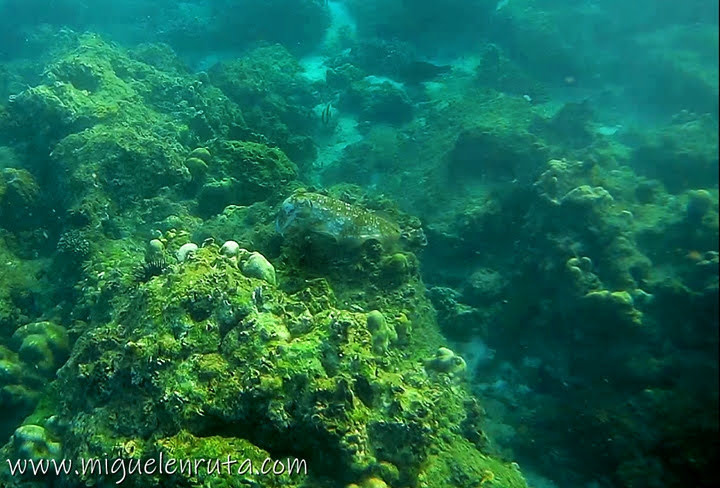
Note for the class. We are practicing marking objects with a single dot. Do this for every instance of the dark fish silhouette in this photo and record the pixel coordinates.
(419, 71)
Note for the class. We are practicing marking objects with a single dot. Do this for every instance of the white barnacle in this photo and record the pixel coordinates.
(186, 251)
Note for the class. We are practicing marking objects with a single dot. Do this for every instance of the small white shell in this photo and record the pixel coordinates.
(185, 251)
(230, 249)
(256, 266)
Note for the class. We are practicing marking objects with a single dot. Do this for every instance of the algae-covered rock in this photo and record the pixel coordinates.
(197, 163)
(42, 345)
(699, 203)
(586, 196)
(398, 267)
(382, 332)
(250, 463)
(378, 102)
(484, 286)
(446, 362)
(687, 146)
(499, 153)
(613, 308)
(244, 173)
(201, 153)
(206, 350)
(20, 389)
(197, 167)
(50, 111)
(32, 442)
(257, 266)
(276, 99)
(125, 161)
(20, 199)
(155, 249)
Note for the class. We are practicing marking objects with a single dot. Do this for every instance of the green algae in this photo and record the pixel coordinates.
(198, 350)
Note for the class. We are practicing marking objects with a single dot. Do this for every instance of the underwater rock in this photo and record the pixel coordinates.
(494, 153)
(218, 361)
(197, 162)
(197, 167)
(382, 332)
(186, 251)
(10, 367)
(50, 112)
(42, 345)
(201, 153)
(699, 204)
(688, 146)
(484, 286)
(581, 271)
(457, 320)
(230, 249)
(612, 307)
(32, 442)
(403, 328)
(370, 483)
(154, 250)
(277, 100)
(570, 125)
(216, 195)
(20, 197)
(558, 179)
(587, 196)
(398, 267)
(418, 71)
(257, 266)
(378, 102)
(343, 76)
(446, 362)
(308, 213)
(20, 389)
(244, 173)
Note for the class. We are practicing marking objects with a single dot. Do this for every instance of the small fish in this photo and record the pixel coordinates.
(418, 71)
(307, 212)
(326, 114)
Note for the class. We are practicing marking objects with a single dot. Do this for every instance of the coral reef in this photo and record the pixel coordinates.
(275, 98)
(219, 369)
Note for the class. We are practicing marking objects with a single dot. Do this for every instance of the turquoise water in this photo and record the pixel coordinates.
(345, 243)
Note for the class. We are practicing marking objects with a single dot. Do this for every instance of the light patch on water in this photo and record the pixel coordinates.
(608, 130)
(332, 144)
(467, 64)
(340, 20)
(340, 16)
(379, 80)
(476, 354)
(501, 4)
(314, 67)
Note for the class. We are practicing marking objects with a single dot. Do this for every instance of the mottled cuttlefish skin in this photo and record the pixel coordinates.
(307, 212)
